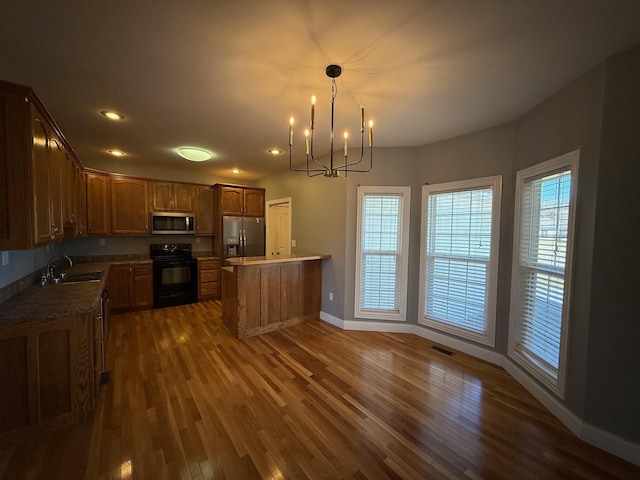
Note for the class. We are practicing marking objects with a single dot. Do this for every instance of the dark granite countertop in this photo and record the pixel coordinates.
(55, 301)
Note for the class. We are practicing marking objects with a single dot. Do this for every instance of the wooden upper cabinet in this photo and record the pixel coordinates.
(129, 206)
(55, 187)
(231, 201)
(71, 192)
(46, 171)
(98, 206)
(253, 202)
(171, 197)
(204, 210)
(40, 181)
(80, 185)
(241, 201)
(33, 172)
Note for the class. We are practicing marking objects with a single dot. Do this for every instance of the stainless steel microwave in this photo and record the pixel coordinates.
(172, 223)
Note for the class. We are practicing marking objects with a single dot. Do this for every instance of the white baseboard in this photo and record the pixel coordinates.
(602, 439)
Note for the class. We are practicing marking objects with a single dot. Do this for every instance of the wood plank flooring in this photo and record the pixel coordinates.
(186, 400)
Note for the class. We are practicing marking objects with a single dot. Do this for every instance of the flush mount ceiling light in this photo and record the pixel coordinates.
(194, 154)
(116, 153)
(235, 170)
(111, 115)
(314, 167)
(274, 151)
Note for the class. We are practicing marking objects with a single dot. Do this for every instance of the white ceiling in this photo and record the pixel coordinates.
(226, 75)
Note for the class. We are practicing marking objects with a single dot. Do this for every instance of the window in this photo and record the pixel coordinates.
(382, 252)
(543, 238)
(458, 257)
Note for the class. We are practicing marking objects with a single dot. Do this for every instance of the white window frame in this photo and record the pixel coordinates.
(487, 337)
(537, 369)
(402, 264)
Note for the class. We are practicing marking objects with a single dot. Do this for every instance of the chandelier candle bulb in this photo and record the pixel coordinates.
(362, 117)
(313, 109)
(346, 141)
(370, 133)
(306, 141)
(291, 131)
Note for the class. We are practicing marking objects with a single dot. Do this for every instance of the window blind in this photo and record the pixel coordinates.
(458, 246)
(544, 229)
(381, 240)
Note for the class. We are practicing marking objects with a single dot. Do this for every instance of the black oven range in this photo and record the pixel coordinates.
(175, 275)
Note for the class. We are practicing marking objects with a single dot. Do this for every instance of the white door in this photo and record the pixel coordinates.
(279, 227)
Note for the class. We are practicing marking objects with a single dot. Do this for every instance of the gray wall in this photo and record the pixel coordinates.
(481, 154)
(392, 167)
(568, 120)
(317, 225)
(612, 394)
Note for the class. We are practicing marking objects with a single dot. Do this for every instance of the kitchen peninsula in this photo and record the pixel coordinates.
(262, 294)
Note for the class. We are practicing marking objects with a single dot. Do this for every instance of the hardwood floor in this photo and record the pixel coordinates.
(187, 400)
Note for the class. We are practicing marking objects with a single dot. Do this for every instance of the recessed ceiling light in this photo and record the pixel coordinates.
(274, 151)
(235, 170)
(111, 115)
(116, 153)
(194, 154)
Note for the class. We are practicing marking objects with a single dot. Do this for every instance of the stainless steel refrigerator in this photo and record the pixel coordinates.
(243, 236)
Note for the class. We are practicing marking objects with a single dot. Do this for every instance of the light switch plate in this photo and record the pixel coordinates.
(293, 243)
(5, 258)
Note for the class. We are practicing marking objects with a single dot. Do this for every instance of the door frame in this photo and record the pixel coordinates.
(269, 225)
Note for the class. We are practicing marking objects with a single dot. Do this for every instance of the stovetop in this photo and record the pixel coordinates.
(165, 251)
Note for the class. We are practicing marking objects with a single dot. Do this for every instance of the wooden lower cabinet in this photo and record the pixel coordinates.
(46, 377)
(208, 284)
(261, 298)
(131, 286)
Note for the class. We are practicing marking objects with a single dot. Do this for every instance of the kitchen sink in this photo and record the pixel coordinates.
(79, 277)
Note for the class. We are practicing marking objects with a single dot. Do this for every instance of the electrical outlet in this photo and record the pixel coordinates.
(197, 239)
(5, 258)
(293, 243)
(331, 296)
(102, 242)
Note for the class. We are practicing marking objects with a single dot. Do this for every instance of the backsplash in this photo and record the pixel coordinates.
(26, 266)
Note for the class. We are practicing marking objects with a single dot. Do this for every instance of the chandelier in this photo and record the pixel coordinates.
(315, 167)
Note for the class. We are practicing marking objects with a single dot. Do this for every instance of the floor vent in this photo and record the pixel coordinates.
(441, 350)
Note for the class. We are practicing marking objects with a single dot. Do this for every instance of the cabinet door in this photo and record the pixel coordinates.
(204, 211)
(253, 199)
(231, 200)
(129, 206)
(142, 286)
(68, 199)
(40, 180)
(120, 286)
(182, 197)
(161, 196)
(81, 200)
(55, 187)
(98, 208)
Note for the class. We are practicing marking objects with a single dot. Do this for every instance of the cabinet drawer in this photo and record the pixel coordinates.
(208, 276)
(143, 269)
(208, 264)
(208, 289)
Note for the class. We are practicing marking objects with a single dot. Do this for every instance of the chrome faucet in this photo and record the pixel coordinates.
(50, 266)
